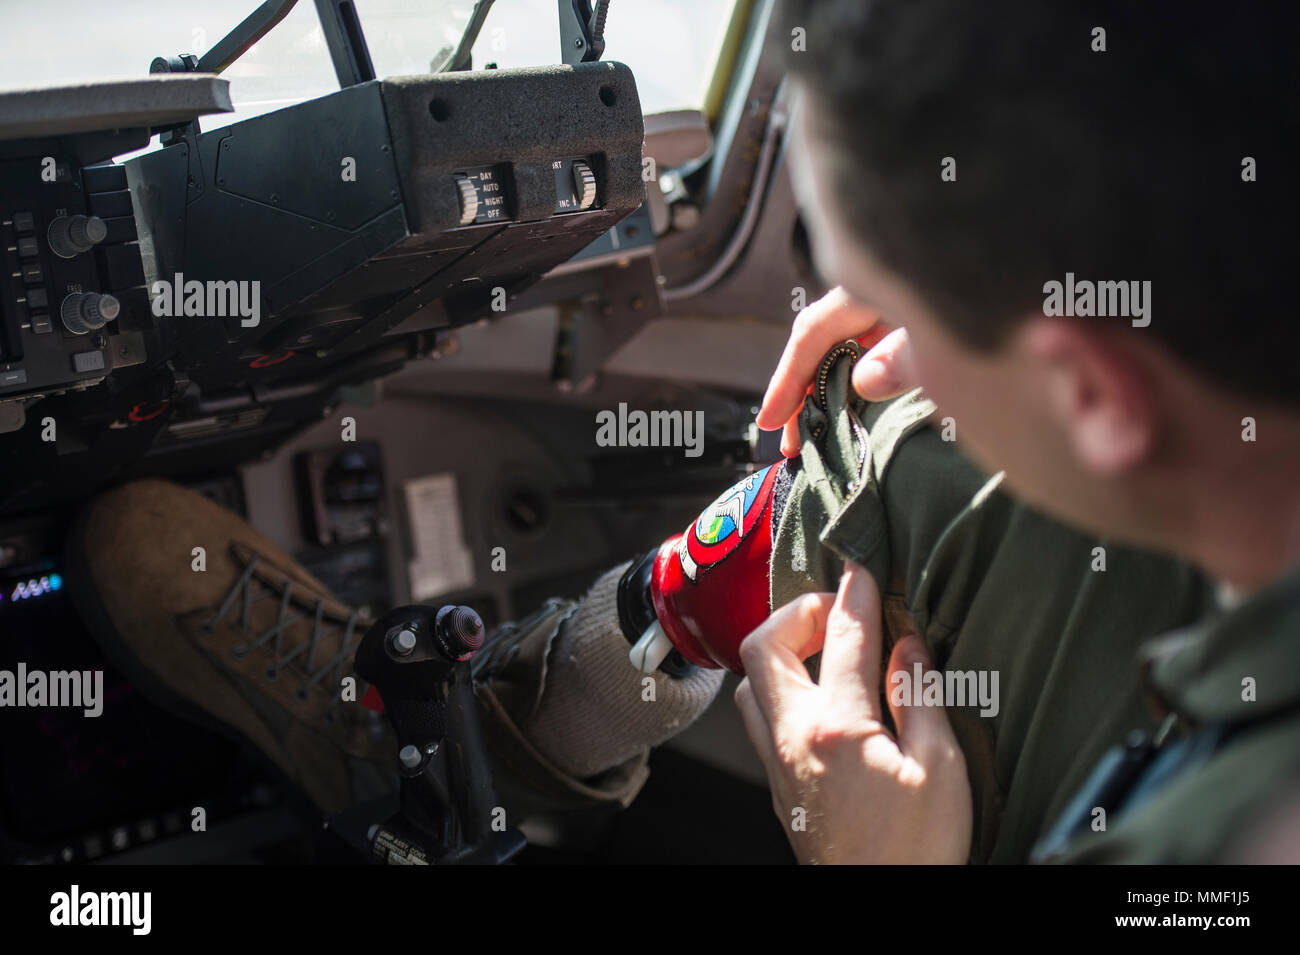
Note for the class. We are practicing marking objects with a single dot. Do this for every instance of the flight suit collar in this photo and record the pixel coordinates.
(1237, 666)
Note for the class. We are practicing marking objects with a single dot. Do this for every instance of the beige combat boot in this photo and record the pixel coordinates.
(251, 643)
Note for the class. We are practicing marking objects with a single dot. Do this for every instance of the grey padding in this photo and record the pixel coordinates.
(527, 117)
(157, 100)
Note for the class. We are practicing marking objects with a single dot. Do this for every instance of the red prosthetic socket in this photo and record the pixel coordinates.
(709, 586)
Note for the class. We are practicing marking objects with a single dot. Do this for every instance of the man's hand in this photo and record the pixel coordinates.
(844, 789)
(884, 371)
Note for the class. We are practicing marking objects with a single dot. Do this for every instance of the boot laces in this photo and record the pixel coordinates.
(248, 590)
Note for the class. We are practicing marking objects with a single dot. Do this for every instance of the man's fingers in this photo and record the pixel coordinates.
(790, 444)
(832, 318)
(886, 369)
(757, 728)
(773, 654)
(924, 733)
(850, 666)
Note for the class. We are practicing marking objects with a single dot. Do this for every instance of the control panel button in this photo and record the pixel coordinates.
(27, 247)
(106, 178)
(9, 379)
(110, 204)
(84, 312)
(37, 298)
(121, 229)
(84, 361)
(41, 325)
(24, 222)
(32, 273)
(71, 235)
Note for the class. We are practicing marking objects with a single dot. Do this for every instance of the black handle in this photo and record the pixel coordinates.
(418, 659)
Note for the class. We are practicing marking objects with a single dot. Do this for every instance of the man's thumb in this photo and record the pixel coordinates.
(886, 369)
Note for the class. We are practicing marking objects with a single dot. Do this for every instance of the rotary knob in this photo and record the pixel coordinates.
(468, 200)
(84, 312)
(69, 236)
(584, 184)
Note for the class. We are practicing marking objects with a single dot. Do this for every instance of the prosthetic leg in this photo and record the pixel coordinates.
(696, 597)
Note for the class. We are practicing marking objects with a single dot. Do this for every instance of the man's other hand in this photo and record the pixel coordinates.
(846, 790)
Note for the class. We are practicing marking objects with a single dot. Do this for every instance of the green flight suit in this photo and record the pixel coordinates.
(1231, 688)
(990, 585)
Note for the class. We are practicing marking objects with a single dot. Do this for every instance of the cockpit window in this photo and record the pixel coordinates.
(119, 40)
(671, 45)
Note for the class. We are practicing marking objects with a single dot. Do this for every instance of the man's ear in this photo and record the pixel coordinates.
(1097, 388)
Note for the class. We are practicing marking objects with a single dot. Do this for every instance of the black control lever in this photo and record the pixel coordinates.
(418, 659)
(582, 30)
(232, 46)
(339, 24)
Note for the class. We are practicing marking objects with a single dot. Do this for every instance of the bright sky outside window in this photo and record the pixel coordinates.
(671, 45)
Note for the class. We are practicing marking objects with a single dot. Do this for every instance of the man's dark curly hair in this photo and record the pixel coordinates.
(1118, 165)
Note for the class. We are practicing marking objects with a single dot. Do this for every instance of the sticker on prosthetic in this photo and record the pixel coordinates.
(723, 525)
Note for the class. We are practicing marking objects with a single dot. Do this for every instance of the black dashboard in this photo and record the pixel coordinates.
(198, 304)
